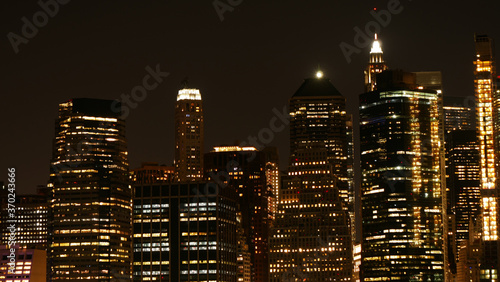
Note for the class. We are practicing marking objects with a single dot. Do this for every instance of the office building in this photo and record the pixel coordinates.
(318, 113)
(244, 169)
(463, 181)
(184, 232)
(311, 238)
(188, 135)
(402, 184)
(90, 209)
(488, 129)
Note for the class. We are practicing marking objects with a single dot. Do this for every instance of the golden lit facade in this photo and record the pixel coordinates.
(189, 136)
(30, 266)
(91, 206)
(376, 65)
(311, 238)
(273, 181)
(318, 113)
(487, 106)
(401, 186)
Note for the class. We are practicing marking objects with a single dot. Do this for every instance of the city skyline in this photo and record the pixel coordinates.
(226, 60)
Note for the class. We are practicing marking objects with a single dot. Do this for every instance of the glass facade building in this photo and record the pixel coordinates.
(401, 182)
(184, 232)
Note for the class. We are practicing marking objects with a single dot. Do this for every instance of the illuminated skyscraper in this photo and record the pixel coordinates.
(90, 224)
(189, 135)
(463, 181)
(462, 173)
(318, 113)
(184, 232)
(311, 237)
(402, 186)
(488, 125)
(376, 65)
(244, 168)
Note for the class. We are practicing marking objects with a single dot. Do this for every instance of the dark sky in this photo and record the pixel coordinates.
(246, 65)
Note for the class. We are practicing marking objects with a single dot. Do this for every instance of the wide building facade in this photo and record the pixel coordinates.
(184, 232)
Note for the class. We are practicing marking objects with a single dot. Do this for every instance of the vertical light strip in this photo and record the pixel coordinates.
(484, 97)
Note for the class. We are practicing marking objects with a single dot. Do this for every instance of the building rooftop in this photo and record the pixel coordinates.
(318, 86)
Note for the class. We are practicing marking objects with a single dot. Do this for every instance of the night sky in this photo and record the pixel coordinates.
(246, 65)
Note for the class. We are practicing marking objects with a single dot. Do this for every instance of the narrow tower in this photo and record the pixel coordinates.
(376, 65)
(189, 135)
(487, 125)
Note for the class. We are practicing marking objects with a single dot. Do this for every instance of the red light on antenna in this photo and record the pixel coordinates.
(374, 9)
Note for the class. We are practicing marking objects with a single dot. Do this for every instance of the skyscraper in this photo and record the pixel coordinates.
(462, 173)
(311, 237)
(402, 187)
(463, 181)
(189, 135)
(488, 124)
(184, 232)
(244, 168)
(318, 113)
(376, 65)
(90, 234)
